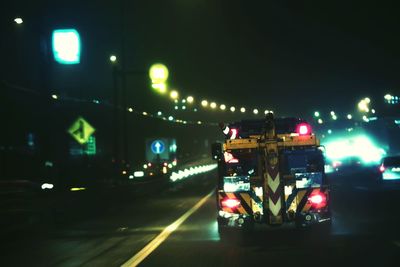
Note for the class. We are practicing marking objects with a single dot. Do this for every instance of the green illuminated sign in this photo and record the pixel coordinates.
(81, 130)
(66, 46)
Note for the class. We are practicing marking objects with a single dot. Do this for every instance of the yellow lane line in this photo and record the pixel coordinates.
(149, 248)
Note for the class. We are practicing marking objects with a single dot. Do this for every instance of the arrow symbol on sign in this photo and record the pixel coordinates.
(158, 147)
(81, 130)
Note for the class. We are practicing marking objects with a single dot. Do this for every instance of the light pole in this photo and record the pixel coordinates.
(113, 60)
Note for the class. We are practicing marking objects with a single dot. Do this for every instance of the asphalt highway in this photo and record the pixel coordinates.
(176, 226)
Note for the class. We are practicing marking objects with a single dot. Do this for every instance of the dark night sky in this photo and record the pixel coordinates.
(292, 56)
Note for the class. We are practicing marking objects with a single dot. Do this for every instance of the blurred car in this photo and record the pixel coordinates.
(390, 168)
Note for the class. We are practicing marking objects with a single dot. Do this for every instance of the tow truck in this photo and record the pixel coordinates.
(271, 172)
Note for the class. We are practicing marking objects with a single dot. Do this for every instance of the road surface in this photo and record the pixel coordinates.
(183, 232)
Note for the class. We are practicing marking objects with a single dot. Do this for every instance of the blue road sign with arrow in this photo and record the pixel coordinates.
(157, 147)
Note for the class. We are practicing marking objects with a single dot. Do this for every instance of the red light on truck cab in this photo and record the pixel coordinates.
(230, 203)
(303, 129)
(318, 200)
(234, 133)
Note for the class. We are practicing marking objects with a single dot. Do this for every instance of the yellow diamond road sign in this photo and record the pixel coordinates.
(81, 130)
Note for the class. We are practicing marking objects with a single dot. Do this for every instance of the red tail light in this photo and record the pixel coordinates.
(230, 203)
(303, 129)
(336, 164)
(382, 168)
(318, 200)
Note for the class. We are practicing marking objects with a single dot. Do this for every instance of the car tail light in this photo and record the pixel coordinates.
(382, 168)
(303, 129)
(318, 200)
(336, 164)
(230, 203)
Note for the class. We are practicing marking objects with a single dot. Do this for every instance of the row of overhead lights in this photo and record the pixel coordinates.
(363, 106)
(391, 99)
(334, 116)
(205, 104)
(159, 115)
(159, 74)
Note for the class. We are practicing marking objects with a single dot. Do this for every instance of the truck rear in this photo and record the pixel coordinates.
(271, 172)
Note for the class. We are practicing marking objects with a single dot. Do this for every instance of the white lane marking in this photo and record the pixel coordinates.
(149, 248)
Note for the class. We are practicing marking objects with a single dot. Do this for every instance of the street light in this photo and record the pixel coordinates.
(204, 103)
(316, 114)
(222, 107)
(18, 20)
(233, 109)
(174, 94)
(363, 105)
(213, 105)
(255, 111)
(388, 97)
(190, 99)
(349, 116)
(320, 121)
(242, 109)
(113, 58)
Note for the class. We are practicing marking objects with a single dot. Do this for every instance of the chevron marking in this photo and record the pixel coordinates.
(275, 208)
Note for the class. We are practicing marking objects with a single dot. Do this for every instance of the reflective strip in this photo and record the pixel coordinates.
(301, 199)
(245, 201)
(246, 197)
(291, 198)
